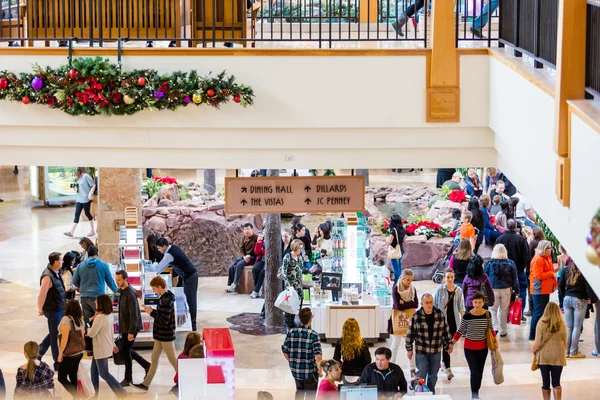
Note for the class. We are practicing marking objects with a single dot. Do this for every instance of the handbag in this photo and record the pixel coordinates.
(395, 253)
(492, 342)
(534, 364)
(515, 311)
(75, 343)
(401, 321)
(117, 357)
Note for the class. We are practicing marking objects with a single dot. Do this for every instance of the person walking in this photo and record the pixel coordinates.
(130, 324)
(477, 281)
(332, 371)
(460, 260)
(71, 346)
(51, 303)
(36, 378)
(449, 299)
(302, 350)
(538, 234)
(102, 336)
(482, 20)
(387, 376)
(292, 275)
(91, 277)
(502, 273)
(352, 352)
(549, 349)
(517, 250)
(404, 303)
(574, 292)
(427, 337)
(163, 332)
(186, 271)
(542, 282)
(474, 327)
(86, 186)
(396, 237)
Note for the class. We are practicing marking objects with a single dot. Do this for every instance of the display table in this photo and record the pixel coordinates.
(193, 381)
(219, 353)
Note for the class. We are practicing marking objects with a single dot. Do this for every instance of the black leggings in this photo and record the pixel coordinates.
(452, 329)
(86, 209)
(476, 361)
(413, 8)
(67, 373)
(549, 371)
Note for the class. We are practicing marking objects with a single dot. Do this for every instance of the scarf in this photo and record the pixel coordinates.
(407, 294)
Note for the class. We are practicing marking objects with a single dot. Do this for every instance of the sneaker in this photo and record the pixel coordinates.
(231, 288)
(125, 382)
(523, 319)
(532, 342)
(503, 334)
(581, 338)
(528, 313)
(595, 353)
(141, 386)
(449, 374)
(254, 295)
(476, 33)
(578, 355)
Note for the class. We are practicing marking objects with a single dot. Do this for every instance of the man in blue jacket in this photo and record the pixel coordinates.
(91, 277)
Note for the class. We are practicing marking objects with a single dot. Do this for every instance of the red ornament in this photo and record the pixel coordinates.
(237, 98)
(142, 81)
(210, 92)
(51, 101)
(3, 83)
(73, 73)
(26, 100)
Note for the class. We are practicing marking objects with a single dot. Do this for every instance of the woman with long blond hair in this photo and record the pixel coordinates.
(36, 378)
(550, 349)
(459, 261)
(352, 351)
(86, 186)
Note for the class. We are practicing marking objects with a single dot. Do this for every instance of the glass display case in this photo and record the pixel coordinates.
(53, 185)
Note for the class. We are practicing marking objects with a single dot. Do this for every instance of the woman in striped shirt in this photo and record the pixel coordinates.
(473, 327)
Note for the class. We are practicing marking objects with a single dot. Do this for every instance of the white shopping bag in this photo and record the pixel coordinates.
(497, 367)
(288, 301)
(84, 382)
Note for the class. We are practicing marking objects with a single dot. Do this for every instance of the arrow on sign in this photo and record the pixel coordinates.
(244, 202)
(244, 190)
(307, 188)
(307, 201)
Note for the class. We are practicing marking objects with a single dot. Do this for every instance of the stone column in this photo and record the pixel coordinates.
(118, 188)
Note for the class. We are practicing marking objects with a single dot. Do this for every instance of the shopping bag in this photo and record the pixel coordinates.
(515, 311)
(497, 367)
(288, 301)
(117, 358)
(401, 321)
(84, 382)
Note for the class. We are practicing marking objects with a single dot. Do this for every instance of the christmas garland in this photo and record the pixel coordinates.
(92, 86)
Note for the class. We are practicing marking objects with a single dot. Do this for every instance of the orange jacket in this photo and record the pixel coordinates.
(541, 277)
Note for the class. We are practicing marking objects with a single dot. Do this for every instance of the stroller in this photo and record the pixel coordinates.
(442, 265)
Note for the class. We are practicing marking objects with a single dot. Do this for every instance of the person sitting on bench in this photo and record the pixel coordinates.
(258, 271)
(236, 268)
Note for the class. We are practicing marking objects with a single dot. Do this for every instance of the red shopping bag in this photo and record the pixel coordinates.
(515, 311)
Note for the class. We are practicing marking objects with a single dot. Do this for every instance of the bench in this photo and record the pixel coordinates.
(246, 285)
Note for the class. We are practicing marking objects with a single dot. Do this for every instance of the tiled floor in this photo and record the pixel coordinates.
(30, 233)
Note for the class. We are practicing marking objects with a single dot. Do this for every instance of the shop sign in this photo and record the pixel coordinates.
(283, 195)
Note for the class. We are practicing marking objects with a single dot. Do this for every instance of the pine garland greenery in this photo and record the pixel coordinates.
(92, 86)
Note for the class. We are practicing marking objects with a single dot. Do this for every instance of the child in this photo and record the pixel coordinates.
(192, 339)
(455, 224)
(467, 231)
(495, 207)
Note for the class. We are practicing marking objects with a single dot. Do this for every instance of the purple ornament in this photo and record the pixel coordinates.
(187, 99)
(158, 94)
(37, 83)
(590, 238)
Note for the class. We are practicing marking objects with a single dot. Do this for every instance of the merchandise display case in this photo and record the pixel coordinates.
(350, 286)
(53, 185)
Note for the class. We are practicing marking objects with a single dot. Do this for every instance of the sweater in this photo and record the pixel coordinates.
(355, 366)
(460, 269)
(388, 383)
(541, 278)
(470, 286)
(474, 329)
(502, 274)
(440, 300)
(554, 351)
(247, 245)
(102, 336)
(92, 276)
(164, 318)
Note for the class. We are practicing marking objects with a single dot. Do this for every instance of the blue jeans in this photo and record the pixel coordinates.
(528, 222)
(397, 268)
(483, 19)
(428, 366)
(2, 386)
(540, 301)
(51, 339)
(100, 367)
(574, 315)
(522, 276)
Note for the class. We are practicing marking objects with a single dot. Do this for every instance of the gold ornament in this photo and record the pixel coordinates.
(128, 100)
(592, 255)
(197, 98)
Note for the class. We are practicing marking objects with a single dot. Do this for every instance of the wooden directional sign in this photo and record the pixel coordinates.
(276, 195)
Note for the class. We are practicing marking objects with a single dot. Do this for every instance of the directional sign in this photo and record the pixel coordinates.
(275, 195)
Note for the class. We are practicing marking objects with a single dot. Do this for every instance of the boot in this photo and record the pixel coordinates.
(557, 393)
(546, 394)
(399, 24)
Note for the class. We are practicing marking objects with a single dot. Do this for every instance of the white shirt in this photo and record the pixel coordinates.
(522, 206)
(165, 262)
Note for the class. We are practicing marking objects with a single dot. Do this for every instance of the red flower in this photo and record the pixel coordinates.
(453, 234)
(165, 180)
(457, 196)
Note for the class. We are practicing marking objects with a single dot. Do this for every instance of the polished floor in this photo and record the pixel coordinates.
(30, 232)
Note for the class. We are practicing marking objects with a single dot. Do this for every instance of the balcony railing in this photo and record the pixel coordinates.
(212, 23)
(592, 67)
(530, 27)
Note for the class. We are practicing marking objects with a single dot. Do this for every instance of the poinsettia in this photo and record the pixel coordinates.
(165, 180)
(457, 196)
(427, 228)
